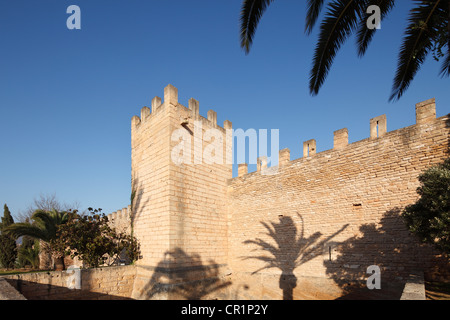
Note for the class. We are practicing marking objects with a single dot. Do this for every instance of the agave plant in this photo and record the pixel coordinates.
(428, 32)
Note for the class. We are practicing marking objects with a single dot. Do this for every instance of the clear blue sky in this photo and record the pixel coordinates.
(67, 96)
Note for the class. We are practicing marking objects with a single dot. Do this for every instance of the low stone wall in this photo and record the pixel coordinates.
(118, 283)
(105, 283)
(7, 292)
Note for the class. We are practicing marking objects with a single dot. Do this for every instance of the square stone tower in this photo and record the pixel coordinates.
(181, 162)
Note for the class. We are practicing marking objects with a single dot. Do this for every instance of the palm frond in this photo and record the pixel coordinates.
(26, 229)
(448, 24)
(264, 245)
(45, 225)
(445, 69)
(418, 41)
(47, 220)
(251, 13)
(313, 11)
(340, 21)
(365, 34)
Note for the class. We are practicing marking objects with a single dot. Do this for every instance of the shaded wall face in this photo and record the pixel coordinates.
(331, 216)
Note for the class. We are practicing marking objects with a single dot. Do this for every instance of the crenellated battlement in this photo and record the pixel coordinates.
(338, 211)
(425, 114)
(121, 220)
(187, 114)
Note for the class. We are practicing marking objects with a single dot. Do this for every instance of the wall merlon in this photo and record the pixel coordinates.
(227, 125)
(426, 111)
(145, 113)
(261, 163)
(378, 127)
(156, 103)
(309, 148)
(242, 169)
(194, 105)
(284, 157)
(212, 116)
(171, 95)
(135, 121)
(340, 139)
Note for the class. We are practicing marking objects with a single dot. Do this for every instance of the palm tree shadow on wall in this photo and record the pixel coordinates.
(188, 278)
(388, 245)
(137, 202)
(290, 250)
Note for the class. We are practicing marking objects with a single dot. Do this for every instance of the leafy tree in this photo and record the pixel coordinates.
(44, 227)
(429, 217)
(428, 32)
(91, 238)
(8, 247)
